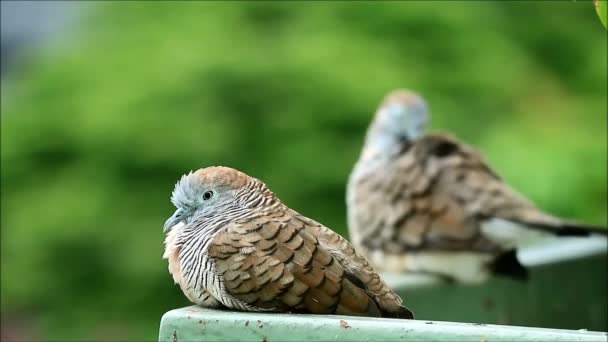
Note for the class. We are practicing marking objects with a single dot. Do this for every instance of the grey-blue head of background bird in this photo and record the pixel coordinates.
(402, 115)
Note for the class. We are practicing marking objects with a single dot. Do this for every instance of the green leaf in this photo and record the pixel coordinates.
(601, 7)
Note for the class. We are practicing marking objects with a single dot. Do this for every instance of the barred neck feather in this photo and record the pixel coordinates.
(256, 194)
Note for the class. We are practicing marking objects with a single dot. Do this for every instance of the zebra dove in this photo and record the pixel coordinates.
(429, 204)
(233, 244)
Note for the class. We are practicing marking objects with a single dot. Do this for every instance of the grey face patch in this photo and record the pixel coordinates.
(186, 192)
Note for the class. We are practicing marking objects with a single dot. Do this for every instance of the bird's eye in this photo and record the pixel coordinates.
(207, 195)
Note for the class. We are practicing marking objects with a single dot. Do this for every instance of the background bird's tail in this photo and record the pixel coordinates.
(551, 224)
(577, 229)
(566, 228)
(508, 265)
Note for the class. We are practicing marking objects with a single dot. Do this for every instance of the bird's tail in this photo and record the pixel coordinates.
(508, 265)
(402, 312)
(578, 229)
(564, 228)
(569, 228)
(354, 304)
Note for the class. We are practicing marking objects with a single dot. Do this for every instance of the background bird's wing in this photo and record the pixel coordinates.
(453, 199)
(482, 192)
(274, 261)
(414, 201)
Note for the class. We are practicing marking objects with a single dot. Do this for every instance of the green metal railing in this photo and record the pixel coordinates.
(568, 294)
(198, 324)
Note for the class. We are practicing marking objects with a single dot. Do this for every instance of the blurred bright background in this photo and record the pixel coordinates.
(105, 105)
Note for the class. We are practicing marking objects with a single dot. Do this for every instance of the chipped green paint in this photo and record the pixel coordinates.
(197, 324)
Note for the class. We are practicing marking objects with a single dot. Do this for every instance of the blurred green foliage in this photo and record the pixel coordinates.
(601, 7)
(97, 127)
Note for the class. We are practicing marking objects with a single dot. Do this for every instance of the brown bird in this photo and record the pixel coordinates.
(430, 204)
(232, 243)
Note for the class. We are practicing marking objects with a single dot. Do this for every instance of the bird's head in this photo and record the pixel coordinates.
(403, 115)
(213, 191)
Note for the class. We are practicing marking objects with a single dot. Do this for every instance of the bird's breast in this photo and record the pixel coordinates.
(172, 256)
(189, 265)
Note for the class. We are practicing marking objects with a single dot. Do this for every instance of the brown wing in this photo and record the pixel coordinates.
(453, 191)
(358, 269)
(276, 262)
(464, 187)
(434, 196)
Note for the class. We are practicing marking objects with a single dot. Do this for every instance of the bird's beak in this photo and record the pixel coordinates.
(173, 221)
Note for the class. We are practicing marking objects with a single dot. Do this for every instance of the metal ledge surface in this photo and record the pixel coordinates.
(194, 323)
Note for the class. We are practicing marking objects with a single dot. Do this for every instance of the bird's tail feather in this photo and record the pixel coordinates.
(564, 228)
(578, 229)
(402, 312)
(508, 265)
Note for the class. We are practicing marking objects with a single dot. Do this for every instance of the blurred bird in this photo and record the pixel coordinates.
(232, 243)
(430, 204)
